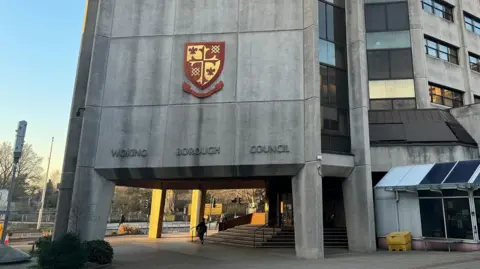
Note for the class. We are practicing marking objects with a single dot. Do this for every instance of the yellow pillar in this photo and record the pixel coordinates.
(156, 213)
(197, 209)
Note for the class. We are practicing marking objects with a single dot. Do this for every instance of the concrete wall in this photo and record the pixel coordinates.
(429, 69)
(141, 103)
(391, 216)
(469, 118)
(387, 157)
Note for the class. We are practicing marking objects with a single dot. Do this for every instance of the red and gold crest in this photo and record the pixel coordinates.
(203, 66)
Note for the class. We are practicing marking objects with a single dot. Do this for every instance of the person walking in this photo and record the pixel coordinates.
(122, 220)
(201, 230)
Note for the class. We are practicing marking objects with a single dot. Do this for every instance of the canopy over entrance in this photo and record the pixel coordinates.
(437, 176)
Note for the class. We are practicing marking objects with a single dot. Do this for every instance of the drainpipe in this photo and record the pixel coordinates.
(396, 211)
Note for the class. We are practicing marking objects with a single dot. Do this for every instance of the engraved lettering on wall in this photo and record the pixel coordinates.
(198, 151)
(268, 149)
(129, 153)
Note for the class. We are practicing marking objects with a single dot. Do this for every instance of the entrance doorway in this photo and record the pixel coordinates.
(286, 207)
(333, 208)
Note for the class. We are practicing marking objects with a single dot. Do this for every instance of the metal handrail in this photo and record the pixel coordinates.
(255, 234)
(263, 232)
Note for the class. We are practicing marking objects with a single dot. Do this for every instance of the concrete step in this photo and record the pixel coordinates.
(234, 241)
(246, 233)
(229, 237)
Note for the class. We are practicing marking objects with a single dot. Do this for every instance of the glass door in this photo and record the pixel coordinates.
(286, 207)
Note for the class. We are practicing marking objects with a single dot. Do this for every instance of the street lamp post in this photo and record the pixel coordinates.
(17, 153)
(42, 204)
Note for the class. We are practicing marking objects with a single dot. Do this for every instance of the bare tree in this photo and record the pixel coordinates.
(29, 170)
(170, 199)
(55, 178)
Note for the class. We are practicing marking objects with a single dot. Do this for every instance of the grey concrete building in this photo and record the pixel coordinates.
(314, 95)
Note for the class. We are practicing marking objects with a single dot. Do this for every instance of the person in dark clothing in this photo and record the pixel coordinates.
(201, 230)
(122, 220)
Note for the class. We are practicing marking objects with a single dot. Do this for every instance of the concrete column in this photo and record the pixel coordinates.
(197, 209)
(75, 123)
(464, 61)
(91, 201)
(357, 188)
(418, 54)
(308, 212)
(157, 211)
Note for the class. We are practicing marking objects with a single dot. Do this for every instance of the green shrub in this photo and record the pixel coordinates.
(67, 252)
(41, 243)
(113, 233)
(99, 251)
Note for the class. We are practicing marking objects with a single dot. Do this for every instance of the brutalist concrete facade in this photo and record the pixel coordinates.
(131, 119)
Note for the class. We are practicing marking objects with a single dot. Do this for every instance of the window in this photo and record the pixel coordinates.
(390, 64)
(335, 115)
(476, 99)
(332, 24)
(438, 8)
(474, 62)
(447, 97)
(458, 220)
(471, 23)
(333, 87)
(332, 33)
(395, 104)
(386, 17)
(383, 89)
(431, 213)
(332, 54)
(441, 50)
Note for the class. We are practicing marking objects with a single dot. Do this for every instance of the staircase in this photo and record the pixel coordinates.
(335, 238)
(246, 236)
(268, 237)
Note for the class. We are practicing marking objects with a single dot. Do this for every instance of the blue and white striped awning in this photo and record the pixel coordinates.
(451, 175)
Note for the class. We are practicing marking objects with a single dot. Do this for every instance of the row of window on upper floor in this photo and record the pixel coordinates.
(445, 96)
(447, 52)
(444, 10)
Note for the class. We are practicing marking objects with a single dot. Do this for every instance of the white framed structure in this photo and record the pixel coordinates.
(434, 201)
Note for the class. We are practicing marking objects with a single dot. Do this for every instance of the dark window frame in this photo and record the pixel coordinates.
(447, 7)
(389, 52)
(474, 25)
(337, 45)
(456, 100)
(385, 5)
(451, 57)
(474, 65)
(476, 100)
(332, 133)
(391, 101)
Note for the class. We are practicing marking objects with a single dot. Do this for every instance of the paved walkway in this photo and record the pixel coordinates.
(178, 253)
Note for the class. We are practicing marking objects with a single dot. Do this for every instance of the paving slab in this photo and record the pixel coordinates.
(178, 252)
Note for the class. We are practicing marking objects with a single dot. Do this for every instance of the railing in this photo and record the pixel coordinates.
(263, 227)
(247, 219)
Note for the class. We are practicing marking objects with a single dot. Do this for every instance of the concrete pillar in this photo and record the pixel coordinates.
(91, 201)
(75, 122)
(157, 211)
(418, 54)
(197, 209)
(357, 188)
(464, 49)
(308, 212)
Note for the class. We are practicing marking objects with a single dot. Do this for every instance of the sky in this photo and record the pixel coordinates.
(39, 46)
